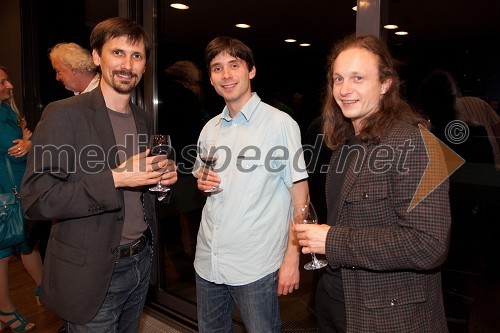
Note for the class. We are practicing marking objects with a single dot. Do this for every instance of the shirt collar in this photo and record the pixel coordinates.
(92, 85)
(246, 111)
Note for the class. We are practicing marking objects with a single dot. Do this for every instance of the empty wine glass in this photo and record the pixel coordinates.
(160, 145)
(207, 151)
(305, 214)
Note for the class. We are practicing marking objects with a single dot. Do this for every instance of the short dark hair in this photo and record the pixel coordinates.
(118, 27)
(232, 46)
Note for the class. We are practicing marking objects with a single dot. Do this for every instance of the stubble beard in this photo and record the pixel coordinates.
(123, 87)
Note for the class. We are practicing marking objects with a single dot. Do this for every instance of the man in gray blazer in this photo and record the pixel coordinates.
(88, 171)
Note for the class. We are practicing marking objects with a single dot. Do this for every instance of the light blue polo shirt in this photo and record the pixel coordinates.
(243, 233)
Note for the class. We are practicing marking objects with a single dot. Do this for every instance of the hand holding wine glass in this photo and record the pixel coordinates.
(305, 214)
(207, 151)
(160, 145)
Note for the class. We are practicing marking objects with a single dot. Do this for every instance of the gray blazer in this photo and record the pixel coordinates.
(390, 258)
(64, 184)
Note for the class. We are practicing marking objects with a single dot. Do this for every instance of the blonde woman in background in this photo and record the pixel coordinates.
(14, 145)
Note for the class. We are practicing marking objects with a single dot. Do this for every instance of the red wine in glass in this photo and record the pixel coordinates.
(207, 151)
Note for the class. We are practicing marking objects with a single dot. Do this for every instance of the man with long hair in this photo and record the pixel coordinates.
(384, 258)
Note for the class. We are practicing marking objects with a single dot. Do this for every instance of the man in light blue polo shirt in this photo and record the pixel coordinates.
(246, 252)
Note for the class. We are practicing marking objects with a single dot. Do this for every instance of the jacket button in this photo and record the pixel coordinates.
(120, 218)
(365, 195)
(393, 302)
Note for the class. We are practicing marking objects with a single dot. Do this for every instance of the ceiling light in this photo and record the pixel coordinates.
(243, 25)
(401, 33)
(304, 44)
(179, 6)
(355, 8)
(290, 40)
(391, 26)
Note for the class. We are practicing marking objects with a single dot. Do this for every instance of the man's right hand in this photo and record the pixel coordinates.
(207, 179)
(140, 170)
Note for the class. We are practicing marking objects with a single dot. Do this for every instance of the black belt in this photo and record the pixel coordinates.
(134, 248)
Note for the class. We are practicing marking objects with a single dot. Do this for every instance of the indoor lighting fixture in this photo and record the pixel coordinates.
(304, 44)
(179, 6)
(243, 25)
(290, 40)
(401, 33)
(355, 8)
(391, 26)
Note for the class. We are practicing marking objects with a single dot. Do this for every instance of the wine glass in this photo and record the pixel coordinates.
(306, 214)
(160, 145)
(207, 151)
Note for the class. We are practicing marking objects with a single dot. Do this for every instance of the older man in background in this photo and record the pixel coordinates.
(74, 67)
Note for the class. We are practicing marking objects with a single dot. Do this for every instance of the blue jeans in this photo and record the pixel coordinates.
(257, 302)
(122, 308)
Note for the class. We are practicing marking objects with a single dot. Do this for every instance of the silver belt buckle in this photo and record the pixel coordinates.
(136, 247)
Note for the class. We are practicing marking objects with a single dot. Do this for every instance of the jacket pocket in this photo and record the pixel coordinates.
(400, 311)
(403, 297)
(368, 205)
(368, 193)
(68, 253)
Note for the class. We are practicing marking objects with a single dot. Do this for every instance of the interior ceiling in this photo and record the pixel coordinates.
(321, 22)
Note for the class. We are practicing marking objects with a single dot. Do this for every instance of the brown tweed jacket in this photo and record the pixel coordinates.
(390, 257)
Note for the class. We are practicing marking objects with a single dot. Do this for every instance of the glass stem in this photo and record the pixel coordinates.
(315, 260)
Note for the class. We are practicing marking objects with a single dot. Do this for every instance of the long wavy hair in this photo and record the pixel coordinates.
(392, 107)
(12, 103)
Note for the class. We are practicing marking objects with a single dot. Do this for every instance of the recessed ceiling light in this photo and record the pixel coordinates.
(304, 44)
(243, 25)
(290, 40)
(355, 8)
(391, 26)
(401, 33)
(179, 6)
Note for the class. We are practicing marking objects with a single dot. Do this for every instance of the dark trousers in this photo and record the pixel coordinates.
(330, 311)
(122, 307)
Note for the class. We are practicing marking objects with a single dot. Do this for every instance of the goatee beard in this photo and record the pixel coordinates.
(123, 88)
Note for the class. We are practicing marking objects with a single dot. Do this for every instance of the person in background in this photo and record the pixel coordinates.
(278, 101)
(74, 67)
(14, 146)
(475, 111)
(182, 115)
(99, 255)
(439, 98)
(246, 252)
(183, 99)
(384, 255)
